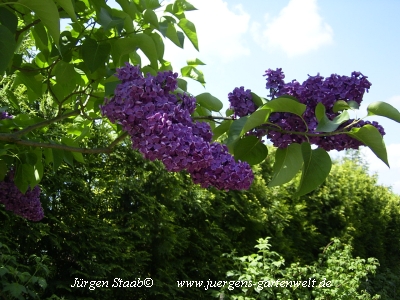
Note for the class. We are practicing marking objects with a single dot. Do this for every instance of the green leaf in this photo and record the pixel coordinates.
(158, 42)
(8, 19)
(110, 85)
(68, 7)
(343, 105)
(286, 104)
(124, 46)
(383, 109)
(94, 54)
(38, 167)
(48, 155)
(181, 6)
(202, 111)
(25, 177)
(195, 62)
(250, 149)
(31, 82)
(130, 8)
(149, 16)
(7, 47)
(41, 39)
(258, 101)
(221, 129)
(65, 73)
(15, 289)
(257, 118)
(316, 167)
(69, 156)
(235, 131)
(190, 30)
(192, 72)
(47, 12)
(152, 4)
(209, 101)
(168, 30)
(370, 137)
(288, 162)
(326, 125)
(58, 156)
(182, 84)
(107, 21)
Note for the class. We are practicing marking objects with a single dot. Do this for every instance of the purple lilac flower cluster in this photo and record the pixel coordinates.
(25, 205)
(160, 126)
(241, 102)
(316, 89)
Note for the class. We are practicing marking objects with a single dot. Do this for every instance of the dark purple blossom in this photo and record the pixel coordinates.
(316, 89)
(161, 128)
(25, 205)
(241, 102)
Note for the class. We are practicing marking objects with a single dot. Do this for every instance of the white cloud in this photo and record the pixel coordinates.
(220, 30)
(298, 29)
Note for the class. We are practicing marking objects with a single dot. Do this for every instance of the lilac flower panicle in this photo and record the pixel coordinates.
(241, 102)
(314, 90)
(25, 205)
(161, 128)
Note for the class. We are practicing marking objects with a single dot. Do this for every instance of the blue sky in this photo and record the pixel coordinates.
(239, 40)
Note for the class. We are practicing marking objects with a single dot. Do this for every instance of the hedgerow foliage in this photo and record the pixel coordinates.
(128, 218)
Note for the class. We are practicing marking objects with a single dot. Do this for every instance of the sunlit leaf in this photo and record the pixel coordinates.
(209, 101)
(288, 162)
(250, 149)
(371, 137)
(47, 12)
(383, 109)
(316, 167)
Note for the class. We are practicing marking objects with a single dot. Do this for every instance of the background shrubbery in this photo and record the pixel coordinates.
(120, 216)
